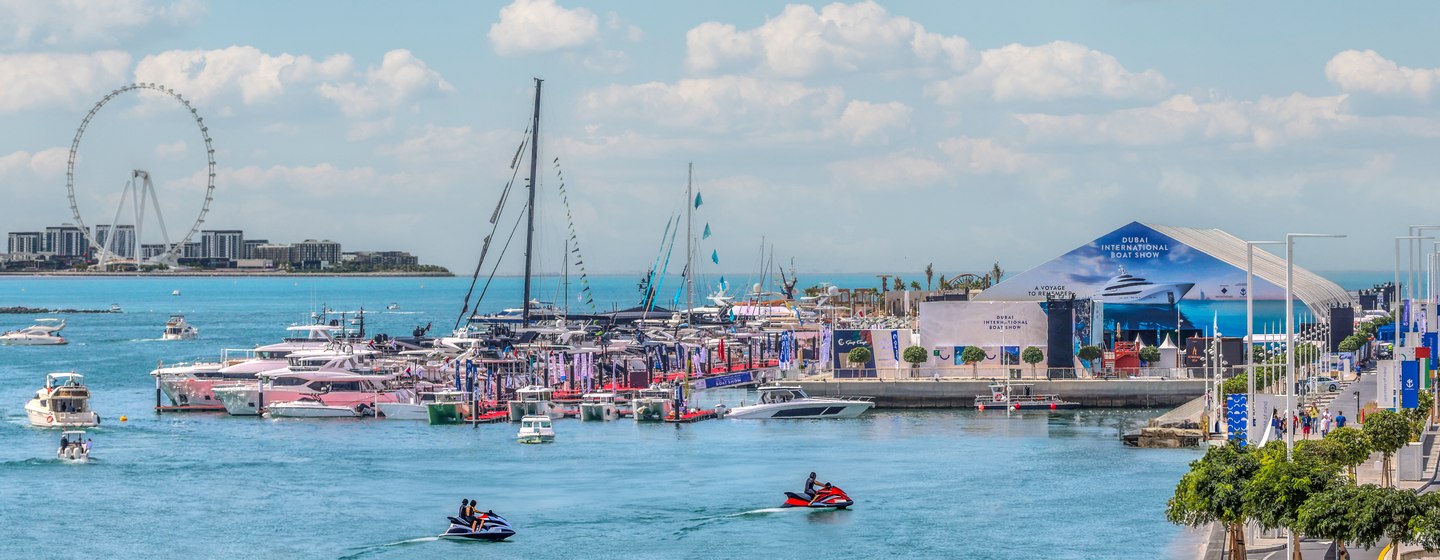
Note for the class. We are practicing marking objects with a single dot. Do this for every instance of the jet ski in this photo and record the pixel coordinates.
(832, 497)
(494, 529)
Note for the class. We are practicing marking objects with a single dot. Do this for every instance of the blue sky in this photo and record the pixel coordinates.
(853, 136)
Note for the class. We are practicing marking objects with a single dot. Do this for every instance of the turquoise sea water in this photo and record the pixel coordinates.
(929, 484)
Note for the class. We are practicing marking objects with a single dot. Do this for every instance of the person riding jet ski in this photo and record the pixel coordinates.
(812, 487)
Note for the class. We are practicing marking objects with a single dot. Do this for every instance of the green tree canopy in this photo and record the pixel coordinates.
(915, 355)
(1032, 355)
(859, 355)
(972, 355)
(1329, 515)
(1090, 353)
(1346, 447)
(1384, 512)
(1387, 432)
(1150, 354)
(1280, 485)
(1214, 491)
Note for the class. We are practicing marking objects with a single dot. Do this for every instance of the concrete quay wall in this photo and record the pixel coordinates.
(1128, 393)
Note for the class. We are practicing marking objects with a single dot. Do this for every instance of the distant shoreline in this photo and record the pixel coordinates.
(224, 274)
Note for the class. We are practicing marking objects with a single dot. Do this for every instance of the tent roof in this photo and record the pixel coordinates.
(1315, 291)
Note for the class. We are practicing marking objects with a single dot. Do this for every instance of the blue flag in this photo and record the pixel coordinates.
(698, 201)
(715, 257)
(706, 235)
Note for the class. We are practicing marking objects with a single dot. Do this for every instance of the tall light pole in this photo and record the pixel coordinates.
(1290, 350)
(1290, 333)
(1415, 249)
(1250, 331)
(1396, 301)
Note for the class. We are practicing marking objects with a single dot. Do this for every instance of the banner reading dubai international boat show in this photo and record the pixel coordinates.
(1133, 265)
(1001, 328)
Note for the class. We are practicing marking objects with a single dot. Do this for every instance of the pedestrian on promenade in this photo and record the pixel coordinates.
(1339, 419)
(1305, 424)
(1325, 424)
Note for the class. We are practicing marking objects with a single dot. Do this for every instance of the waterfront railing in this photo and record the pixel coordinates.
(1023, 373)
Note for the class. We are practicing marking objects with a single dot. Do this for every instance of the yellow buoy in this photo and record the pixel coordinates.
(124, 418)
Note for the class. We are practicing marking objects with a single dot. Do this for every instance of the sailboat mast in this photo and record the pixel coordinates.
(530, 208)
(689, 241)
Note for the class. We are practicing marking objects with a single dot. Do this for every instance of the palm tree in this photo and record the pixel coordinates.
(996, 273)
(929, 274)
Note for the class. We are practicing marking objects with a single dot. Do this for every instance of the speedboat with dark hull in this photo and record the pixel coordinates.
(494, 529)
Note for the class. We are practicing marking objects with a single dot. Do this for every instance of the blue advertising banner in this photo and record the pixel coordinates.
(1236, 405)
(727, 380)
(1409, 384)
(895, 344)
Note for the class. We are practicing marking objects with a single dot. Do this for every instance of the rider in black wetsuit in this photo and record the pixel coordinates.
(810, 486)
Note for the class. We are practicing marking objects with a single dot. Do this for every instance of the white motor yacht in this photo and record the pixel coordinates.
(649, 404)
(535, 429)
(64, 402)
(334, 383)
(1130, 289)
(73, 447)
(533, 400)
(193, 384)
(599, 406)
(45, 332)
(314, 407)
(778, 401)
(417, 406)
(177, 329)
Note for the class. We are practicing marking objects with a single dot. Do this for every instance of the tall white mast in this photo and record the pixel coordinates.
(689, 241)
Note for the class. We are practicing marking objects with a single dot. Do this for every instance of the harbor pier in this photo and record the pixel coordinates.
(961, 393)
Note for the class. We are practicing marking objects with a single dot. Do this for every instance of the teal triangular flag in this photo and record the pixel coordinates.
(698, 200)
(707, 232)
(715, 257)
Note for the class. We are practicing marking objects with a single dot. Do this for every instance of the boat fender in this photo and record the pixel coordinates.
(982, 407)
(348, 348)
(1052, 406)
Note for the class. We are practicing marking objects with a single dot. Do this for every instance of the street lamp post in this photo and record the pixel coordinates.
(1290, 335)
(1396, 301)
(1250, 330)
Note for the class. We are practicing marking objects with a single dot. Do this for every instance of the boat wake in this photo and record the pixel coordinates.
(703, 521)
(404, 312)
(372, 549)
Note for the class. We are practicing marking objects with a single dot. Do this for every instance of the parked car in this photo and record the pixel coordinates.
(1323, 383)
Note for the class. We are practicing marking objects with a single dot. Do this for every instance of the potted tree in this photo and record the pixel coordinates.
(1032, 355)
(1090, 353)
(858, 357)
(1150, 355)
(915, 355)
(973, 355)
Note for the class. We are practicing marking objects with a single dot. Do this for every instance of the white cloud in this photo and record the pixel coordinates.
(890, 172)
(77, 23)
(984, 156)
(1368, 72)
(365, 130)
(64, 80)
(447, 144)
(716, 105)
(1058, 70)
(801, 42)
(207, 76)
(165, 151)
(1263, 123)
(863, 121)
(538, 26)
(44, 164)
(400, 77)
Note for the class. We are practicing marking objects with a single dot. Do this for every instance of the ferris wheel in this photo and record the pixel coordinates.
(138, 191)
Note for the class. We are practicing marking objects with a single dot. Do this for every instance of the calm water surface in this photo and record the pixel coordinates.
(936, 484)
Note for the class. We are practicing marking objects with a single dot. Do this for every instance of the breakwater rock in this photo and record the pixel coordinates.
(44, 311)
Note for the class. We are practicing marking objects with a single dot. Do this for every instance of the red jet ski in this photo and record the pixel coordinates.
(832, 497)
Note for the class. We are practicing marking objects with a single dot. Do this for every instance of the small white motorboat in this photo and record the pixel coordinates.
(64, 402)
(535, 429)
(115, 308)
(791, 402)
(315, 408)
(418, 406)
(599, 406)
(45, 332)
(533, 400)
(175, 292)
(649, 404)
(74, 447)
(177, 329)
(393, 306)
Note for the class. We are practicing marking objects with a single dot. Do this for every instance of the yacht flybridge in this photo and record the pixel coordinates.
(177, 329)
(64, 402)
(45, 332)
